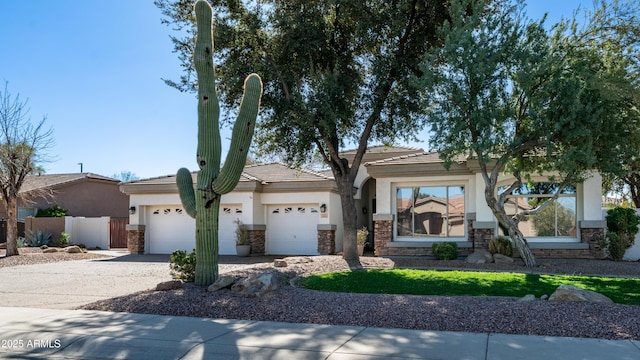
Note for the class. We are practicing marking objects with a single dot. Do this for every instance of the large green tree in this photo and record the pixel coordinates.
(336, 74)
(23, 144)
(518, 99)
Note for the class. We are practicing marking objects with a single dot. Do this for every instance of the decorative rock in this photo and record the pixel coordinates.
(528, 297)
(224, 281)
(49, 250)
(502, 259)
(169, 285)
(255, 286)
(572, 293)
(73, 249)
(298, 260)
(544, 297)
(44, 247)
(280, 263)
(479, 257)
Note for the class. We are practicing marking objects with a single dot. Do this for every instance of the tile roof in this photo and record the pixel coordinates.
(263, 173)
(48, 181)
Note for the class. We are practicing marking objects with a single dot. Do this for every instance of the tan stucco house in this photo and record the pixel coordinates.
(82, 194)
(405, 197)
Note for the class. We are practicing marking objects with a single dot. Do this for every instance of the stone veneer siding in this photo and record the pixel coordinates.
(257, 238)
(135, 239)
(383, 234)
(327, 239)
(383, 238)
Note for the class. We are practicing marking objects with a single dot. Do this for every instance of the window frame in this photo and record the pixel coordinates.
(426, 237)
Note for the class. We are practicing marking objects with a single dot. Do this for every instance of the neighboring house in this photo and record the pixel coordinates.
(404, 196)
(82, 194)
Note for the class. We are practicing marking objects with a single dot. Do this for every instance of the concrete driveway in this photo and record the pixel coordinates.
(68, 284)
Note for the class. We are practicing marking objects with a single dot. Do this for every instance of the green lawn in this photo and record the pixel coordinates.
(468, 283)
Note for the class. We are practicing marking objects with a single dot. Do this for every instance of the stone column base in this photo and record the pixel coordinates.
(135, 238)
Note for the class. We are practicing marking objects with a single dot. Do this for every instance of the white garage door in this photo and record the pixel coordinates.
(292, 229)
(170, 228)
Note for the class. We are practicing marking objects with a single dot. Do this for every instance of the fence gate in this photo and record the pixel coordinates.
(118, 233)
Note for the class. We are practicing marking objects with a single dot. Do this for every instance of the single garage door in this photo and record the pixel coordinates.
(170, 228)
(292, 229)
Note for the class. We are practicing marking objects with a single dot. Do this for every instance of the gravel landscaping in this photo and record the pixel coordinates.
(442, 313)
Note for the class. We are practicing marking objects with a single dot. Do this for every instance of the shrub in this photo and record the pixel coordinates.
(183, 265)
(54, 211)
(622, 227)
(21, 242)
(501, 245)
(445, 251)
(62, 241)
(38, 238)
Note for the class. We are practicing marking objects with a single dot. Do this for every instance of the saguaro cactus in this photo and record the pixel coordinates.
(203, 203)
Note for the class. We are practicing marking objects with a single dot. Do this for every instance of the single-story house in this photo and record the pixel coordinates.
(405, 197)
(81, 194)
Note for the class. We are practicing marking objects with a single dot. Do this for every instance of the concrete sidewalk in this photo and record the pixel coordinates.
(30, 333)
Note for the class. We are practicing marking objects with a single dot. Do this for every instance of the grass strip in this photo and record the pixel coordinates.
(469, 283)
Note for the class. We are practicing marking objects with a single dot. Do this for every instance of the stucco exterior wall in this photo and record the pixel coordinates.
(86, 198)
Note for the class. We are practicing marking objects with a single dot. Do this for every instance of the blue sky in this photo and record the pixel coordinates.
(94, 69)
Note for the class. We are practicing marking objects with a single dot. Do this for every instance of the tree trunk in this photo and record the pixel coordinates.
(207, 239)
(12, 227)
(349, 217)
(508, 223)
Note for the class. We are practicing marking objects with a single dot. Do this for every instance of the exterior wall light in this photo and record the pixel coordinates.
(132, 210)
(323, 208)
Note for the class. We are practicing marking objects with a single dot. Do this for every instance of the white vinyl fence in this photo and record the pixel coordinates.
(92, 232)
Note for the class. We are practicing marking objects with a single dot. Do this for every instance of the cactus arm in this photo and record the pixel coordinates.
(187, 194)
(209, 147)
(241, 136)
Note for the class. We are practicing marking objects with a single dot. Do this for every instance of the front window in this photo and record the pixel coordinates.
(430, 211)
(557, 219)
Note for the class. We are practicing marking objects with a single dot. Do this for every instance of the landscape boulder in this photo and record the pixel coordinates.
(502, 259)
(572, 293)
(73, 249)
(479, 257)
(49, 250)
(169, 285)
(528, 297)
(255, 285)
(280, 263)
(224, 281)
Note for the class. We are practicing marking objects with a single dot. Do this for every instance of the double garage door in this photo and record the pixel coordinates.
(291, 229)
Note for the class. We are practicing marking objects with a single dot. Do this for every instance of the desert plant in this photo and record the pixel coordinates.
(38, 238)
(242, 233)
(362, 235)
(501, 245)
(21, 242)
(212, 181)
(183, 265)
(54, 211)
(622, 227)
(445, 250)
(62, 241)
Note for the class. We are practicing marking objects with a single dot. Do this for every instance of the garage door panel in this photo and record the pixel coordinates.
(292, 229)
(170, 228)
